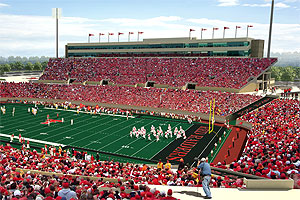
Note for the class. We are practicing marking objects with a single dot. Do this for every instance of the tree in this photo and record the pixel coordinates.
(37, 66)
(276, 73)
(297, 72)
(17, 66)
(288, 74)
(6, 67)
(1, 70)
(29, 66)
(44, 64)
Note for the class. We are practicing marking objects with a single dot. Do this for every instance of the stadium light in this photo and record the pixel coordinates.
(213, 32)
(236, 28)
(56, 13)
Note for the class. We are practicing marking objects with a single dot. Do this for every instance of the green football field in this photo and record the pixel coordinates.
(104, 133)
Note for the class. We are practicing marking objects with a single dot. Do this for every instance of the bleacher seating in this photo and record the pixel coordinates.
(273, 146)
(186, 100)
(206, 72)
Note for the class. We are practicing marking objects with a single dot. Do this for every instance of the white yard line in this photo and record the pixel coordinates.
(208, 144)
(120, 137)
(73, 129)
(36, 141)
(132, 141)
(97, 132)
(142, 148)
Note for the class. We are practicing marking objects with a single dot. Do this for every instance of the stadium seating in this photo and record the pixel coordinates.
(187, 100)
(130, 178)
(273, 147)
(205, 72)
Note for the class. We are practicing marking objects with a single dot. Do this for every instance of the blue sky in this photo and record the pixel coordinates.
(27, 28)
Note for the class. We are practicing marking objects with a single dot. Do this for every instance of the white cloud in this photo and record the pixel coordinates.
(256, 5)
(35, 35)
(276, 5)
(3, 5)
(228, 2)
(281, 5)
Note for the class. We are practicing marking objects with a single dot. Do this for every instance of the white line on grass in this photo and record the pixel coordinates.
(49, 131)
(97, 132)
(209, 142)
(122, 136)
(74, 128)
(31, 128)
(142, 148)
(133, 140)
(36, 141)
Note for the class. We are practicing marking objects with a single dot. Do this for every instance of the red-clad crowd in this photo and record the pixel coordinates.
(273, 146)
(187, 100)
(206, 72)
(132, 179)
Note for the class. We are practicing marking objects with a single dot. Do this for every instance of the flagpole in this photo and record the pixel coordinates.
(201, 33)
(224, 33)
(128, 36)
(138, 36)
(235, 31)
(118, 37)
(99, 37)
(108, 37)
(89, 39)
(247, 30)
(213, 32)
(190, 34)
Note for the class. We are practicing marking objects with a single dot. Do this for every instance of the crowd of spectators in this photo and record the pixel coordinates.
(132, 180)
(205, 72)
(273, 146)
(173, 99)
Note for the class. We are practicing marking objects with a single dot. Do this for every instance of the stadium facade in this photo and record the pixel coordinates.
(185, 46)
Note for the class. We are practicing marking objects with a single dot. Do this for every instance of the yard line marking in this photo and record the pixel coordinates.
(142, 148)
(31, 128)
(208, 144)
(36, 141)
(133, 140)
(123, 136)
(97, 132)
(105, 136)
(73, 129)
(153, 140)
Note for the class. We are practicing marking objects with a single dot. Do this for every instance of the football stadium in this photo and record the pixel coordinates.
(134, 120)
